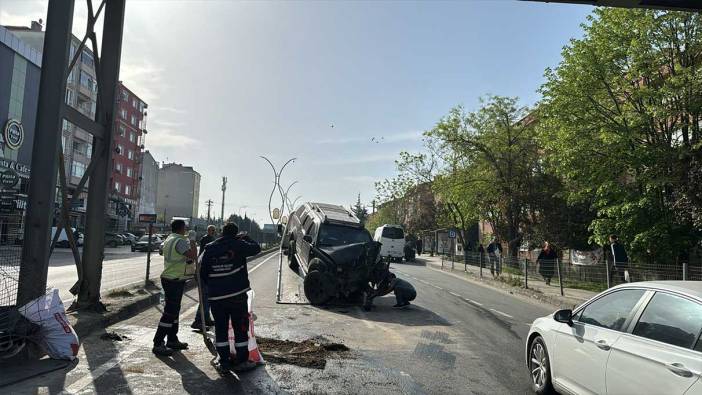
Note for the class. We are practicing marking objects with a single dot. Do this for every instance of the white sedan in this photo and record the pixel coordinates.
(638, 338)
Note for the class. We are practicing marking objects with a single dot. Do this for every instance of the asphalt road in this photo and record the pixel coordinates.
(458, 337)
(120, 268)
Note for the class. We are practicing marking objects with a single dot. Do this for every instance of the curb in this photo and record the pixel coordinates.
(87, 322)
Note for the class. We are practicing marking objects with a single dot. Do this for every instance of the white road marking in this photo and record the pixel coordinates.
(437, 287)
(455, 294)
(264, 261)
(474, 302)
(501, 313)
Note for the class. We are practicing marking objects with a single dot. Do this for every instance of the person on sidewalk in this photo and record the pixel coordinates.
(547, 262)
(177, 250)
(197, 323)
(494, 251)
(619, 259)
(223, 271)
(419, 245)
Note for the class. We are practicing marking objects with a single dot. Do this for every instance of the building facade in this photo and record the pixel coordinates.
(148, 187)
(19, 83)
(178, 193)
(128, 135)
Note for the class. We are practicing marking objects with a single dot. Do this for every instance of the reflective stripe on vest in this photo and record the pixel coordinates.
(227, 273)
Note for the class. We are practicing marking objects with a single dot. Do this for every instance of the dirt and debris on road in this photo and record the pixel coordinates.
(113, 336)
(310, 353)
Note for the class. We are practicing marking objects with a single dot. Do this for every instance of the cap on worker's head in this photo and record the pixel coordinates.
(211, 228)
(230, 229)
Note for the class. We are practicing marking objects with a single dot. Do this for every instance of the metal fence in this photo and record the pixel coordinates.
(566, 275)
(11, 237)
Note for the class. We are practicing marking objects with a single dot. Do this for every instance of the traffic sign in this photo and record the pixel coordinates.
(452, 234)
(147, 218)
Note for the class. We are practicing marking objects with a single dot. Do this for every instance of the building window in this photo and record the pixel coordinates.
(118, 167)
(87, 58)
(130, 155)
(78, 169)
(125, 96)
(87, 81)
(134, 120)
(122, 131)
(123, 113)
(132, 137)
(134, 103)
(63, 143)
(69, 97)
(129, 172)
(118, 187)
(120, 149)
(127, 190)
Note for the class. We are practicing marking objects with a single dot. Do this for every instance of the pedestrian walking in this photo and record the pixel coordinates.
(419, 245)
(223, 270)
(494, 251)
(177, 250)
(547, 262)
(197, 324)
(619, 259)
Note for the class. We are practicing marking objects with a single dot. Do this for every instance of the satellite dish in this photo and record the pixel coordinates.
(276, 213)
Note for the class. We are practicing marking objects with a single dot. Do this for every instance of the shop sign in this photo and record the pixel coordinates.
(13, 133)
(8, 178)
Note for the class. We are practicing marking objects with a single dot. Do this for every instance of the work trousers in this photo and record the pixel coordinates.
(168, 325)
(495, 264)
(404, 292)
(236, 310)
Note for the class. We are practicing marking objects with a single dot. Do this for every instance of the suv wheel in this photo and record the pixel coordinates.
(539, 367)
(318, 288)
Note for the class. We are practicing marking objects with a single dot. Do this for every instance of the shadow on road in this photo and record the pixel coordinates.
(383, 311)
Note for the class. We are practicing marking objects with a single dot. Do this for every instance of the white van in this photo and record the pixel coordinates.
(62, 240)
(392, 238)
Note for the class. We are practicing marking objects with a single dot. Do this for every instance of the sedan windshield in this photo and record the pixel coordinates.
(337, 235)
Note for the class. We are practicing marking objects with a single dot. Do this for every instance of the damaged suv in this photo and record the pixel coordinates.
(330, 247)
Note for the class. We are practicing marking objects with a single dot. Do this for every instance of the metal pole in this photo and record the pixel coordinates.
(684, 267)
(560, 276)
(93, 252)
(45, 149)
(224, 190)
(526, 273)
(607, 273)
(148, 255)
(481, 264)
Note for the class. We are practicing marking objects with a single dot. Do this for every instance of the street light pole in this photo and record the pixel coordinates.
(276, 186)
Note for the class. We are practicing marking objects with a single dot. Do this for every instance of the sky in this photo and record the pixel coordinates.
(227, 82)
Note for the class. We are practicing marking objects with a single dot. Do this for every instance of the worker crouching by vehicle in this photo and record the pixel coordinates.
(404, 291)
(178, 249)
(223, 270)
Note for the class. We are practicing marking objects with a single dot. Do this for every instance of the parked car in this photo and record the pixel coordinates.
(637, 338)
(113, 240)
(392, 240)
(130, 238)
(143, 244)
(333, 251)
(62, 241)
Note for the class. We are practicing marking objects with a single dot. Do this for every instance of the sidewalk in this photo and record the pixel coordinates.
(537, 289)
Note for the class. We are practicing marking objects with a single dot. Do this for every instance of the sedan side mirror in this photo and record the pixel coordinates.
(307, 238)
(564, 316)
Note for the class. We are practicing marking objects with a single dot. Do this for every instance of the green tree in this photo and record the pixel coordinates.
(620, 122)
(360, 210)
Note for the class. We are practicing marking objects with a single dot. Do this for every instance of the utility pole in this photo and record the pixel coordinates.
(224, 189)
(373, 206)
(209, 207)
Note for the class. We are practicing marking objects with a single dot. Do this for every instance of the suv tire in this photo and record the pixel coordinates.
(318, 288)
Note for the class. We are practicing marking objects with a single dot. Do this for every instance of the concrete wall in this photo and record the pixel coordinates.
(178, 192)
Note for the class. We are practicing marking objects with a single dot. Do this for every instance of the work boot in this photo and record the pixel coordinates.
(162, 350)
(177, 345)
(244, 366)
(401, 305)
(223, 365)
